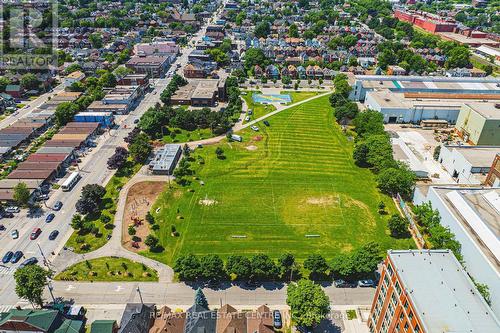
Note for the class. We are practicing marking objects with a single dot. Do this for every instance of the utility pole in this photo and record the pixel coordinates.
(46, 262)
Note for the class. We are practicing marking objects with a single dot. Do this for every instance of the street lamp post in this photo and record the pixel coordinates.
(140, 295)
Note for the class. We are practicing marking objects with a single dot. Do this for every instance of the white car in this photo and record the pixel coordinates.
(15, 234)
(247, 118)
(12, 209)
(255, 128)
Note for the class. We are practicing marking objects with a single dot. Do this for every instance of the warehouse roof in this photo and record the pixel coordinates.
(478, 156)
(47, 157)
(490, 111)
(30, 165)
(11, 183)
(55, 150)
(442, 293)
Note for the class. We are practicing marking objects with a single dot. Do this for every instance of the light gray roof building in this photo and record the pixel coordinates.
(165, 159)
(442, 293)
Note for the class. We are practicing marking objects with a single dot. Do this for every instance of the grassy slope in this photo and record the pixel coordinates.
(298, 96)
(300, 181)
(80, 271)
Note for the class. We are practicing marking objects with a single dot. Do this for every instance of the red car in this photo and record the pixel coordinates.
(35, 233)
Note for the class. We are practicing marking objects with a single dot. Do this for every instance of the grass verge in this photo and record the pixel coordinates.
(108, 269)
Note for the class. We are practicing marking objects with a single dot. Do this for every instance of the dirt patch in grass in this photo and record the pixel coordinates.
(251, 148)
(207, 202)
(257, 138)
(140, 197)
(326, 200)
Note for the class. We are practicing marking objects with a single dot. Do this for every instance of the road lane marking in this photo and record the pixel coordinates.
(70, 287)
(118, 288)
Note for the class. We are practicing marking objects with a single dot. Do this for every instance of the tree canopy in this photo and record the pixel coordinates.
(308, 303)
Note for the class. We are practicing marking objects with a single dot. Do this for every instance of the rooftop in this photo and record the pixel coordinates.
(442, 293)
(478, 156)
(487, 110)
(477, 210)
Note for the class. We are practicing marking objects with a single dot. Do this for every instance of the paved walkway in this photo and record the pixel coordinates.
(113, 247)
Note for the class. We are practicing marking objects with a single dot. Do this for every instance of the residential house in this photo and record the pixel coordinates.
(167, 321)
(229, 320)
(104, 326)
(200, 319)
(272, 72)
(137, 318)
(260, 320)
(257, 71)
(194, 70)
(42, 321)
(14, 90)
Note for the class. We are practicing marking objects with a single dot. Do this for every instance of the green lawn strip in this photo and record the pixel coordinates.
(291, 187)
(299, 96)
(258, 109)
(351, 314)
(108, 269)
(187, 136)
(110, 200)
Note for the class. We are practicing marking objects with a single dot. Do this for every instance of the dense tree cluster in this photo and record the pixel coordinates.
(140, 147)
(90, 199)
(118, 159)
(344, 109)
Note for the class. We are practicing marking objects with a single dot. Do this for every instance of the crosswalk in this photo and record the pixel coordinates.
(5, 270)
(5, 308)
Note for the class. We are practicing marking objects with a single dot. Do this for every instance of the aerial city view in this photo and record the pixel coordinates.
(250, 166)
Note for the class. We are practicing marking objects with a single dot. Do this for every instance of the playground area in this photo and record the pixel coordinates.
(272, 98)
(140, 197)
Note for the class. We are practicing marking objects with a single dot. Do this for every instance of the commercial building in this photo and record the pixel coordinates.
(157, 48)
(201, 93)
(479, 123)
(468, 164)
(105, 119)
(472, 215)
(428, 292)
(426, 86)
(154, 66)
(42, 321)
(134, 80)
(426, 21)
(74, 77)
(165, 159)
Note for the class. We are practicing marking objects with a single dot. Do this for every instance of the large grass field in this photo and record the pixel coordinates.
(291, 187)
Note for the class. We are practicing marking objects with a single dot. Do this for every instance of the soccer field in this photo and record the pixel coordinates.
(291, 187)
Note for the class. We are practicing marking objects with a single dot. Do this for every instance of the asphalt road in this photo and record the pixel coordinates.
(180, 294)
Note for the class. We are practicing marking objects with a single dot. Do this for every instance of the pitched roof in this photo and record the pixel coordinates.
(102, 326)
(229, 320)
(42, 320)
(136, 318)
(200, 319)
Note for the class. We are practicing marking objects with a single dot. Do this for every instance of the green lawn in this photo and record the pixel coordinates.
(108, 269)
(294, 188)
(83, 242)
(186, 136)
(298, 96)
(259, 110)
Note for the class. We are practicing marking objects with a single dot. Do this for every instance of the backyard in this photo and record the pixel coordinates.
(290, 187)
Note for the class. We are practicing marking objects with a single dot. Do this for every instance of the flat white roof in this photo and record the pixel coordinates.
(442, 293)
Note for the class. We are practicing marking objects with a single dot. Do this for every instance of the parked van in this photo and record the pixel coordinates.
(236, 138)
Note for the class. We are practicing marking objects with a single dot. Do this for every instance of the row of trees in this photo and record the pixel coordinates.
(361, 263)
(27, 81)
(373, 149)
(176, 82)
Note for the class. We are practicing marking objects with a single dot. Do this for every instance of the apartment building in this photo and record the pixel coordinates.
(428, 291)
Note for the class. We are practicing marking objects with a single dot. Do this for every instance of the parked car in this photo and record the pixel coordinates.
(277, 322)
(29, 261)
(250, 111)
(2, 227)
(6, 258)
(58, 205)
(255, 128)
(136, 121)
(266, 123)
(344, 284)
(42, 197)
(12, 209)
(15, 234)
(247, 118)
(16, 257)
(50, 217)
(35, 233)
(45, 189)
(366, 283)
(53, 235)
